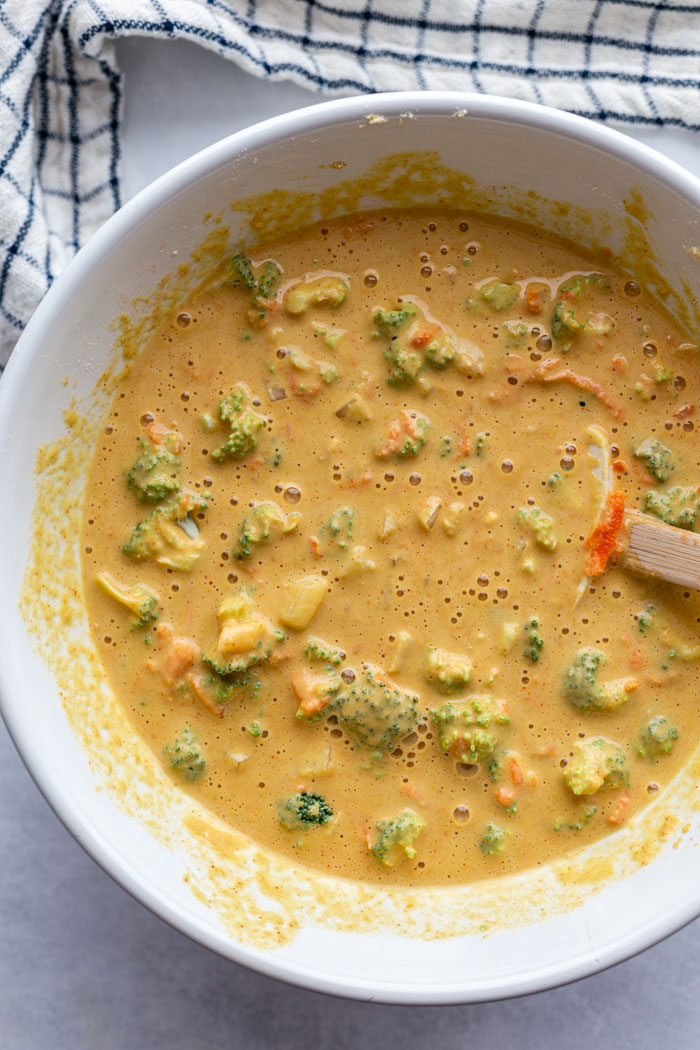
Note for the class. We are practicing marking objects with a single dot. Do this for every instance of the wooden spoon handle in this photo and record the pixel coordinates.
(661, 551)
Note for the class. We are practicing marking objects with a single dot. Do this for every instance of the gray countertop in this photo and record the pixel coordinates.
(84, 967)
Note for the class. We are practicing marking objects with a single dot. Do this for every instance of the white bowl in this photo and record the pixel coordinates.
(552, 926)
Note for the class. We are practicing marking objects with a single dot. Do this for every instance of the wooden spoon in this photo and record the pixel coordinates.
(652, 548)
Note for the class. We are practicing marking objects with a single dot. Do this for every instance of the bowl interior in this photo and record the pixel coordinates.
(521, 161)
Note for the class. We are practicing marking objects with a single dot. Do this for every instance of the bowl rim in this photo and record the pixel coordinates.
(269, 132)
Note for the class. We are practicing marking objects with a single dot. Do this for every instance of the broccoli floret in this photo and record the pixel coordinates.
(245, 639)
(657, 457)
(264, 522)
(268, 280)
(154, 474)
(582, 690)
(324, 652)
(658, 738)
(406, 364)
(314, 693)
(243, 275)
(493, 841)
(595, 762)
(533, 640)
(439, 349)
(679, 506)
(140, 599)
(498, 295)
(394, 842)
(388, 322)
(376, 712)
(448, 671)
(169, 535)
(245, 424)
(303, 811)
(242, 272)
(469, 729)
(645, 618)
(540, 525)
(340, 527)
(186, 756)
(580, 681)
(566, 324)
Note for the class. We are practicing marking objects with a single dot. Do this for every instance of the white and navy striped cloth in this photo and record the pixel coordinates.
(631, 61)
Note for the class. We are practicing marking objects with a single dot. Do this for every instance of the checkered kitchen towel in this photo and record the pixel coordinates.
(635, 61)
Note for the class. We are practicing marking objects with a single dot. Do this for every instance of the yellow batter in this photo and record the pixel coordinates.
(347, 494)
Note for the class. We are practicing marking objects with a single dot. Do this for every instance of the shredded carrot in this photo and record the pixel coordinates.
(315, 546)
(591, 386)
(356, 483)
(637, 660)
(603, 540)
(620, 811)
(619, 466)
(412, 791)
(392, 442)
(464, 442)
(158, 432)
(424, 334)
(253, 462)
(505, 795)
(516, 773)
(619, 363)
(196, 681)
(684, 412)
(533, 300)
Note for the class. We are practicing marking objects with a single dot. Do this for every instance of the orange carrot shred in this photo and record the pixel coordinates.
(603, 540)
(620, 811)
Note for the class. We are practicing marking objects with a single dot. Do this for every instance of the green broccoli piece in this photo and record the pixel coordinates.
(340, 527)
(244, 422)
(493, 841)
(388, 322)
(140, 599)
(242, 272)
(580, 681)
(269, 279)
(657, 458)
(566, 324)
(515, 333)
(439, 350)
(406, 364)
(154, 474)
(376, 712)
(595, 762)
(645, 618)
(234, 664)
(533, 640)
(582, 690)
(469, 729)
(679, 506)
(394, 842)
(498, 295)
(658, 738)
(323, 652)
(186, 756)
(540, 525)
(448, 671)
(303, 812)
(169, 535)
(264, 522)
